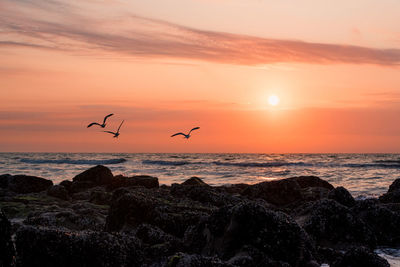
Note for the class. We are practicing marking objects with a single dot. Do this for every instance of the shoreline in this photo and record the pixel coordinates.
(298, 221)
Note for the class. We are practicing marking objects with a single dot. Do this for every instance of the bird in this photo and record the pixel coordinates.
(186, 135)
(104, 122)
(116, 134)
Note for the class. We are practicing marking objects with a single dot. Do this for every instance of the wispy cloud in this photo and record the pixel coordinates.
(149, 38)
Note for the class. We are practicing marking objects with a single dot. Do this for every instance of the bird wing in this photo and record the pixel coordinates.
(106, 117)
(178, 134)
(93, 123)
(195, 128)
(120, 126)
(109, 132)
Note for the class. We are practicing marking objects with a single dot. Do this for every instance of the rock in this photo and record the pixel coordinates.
(140, 180)
(186, 260)
(131, 209)
(6, 245)
(100, 197)
(98, 175)
(234, 188)
(395, 186)
(312, 181)
(360, 256)
(341, 195)
(58, 191)
(49, 247)
(67, 184)
(390, 197)
(250, 229)
(290, 191)
(24, 184)
(332, 224)
(4, 180)
(203, 194)
(279, 192)
(381, 220)
(194, 181)
(77, 187)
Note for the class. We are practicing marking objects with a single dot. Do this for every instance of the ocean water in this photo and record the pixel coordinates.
(362, 174)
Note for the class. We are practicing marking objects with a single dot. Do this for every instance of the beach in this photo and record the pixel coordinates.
(102, 218)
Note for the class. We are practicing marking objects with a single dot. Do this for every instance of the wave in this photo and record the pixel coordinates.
(74, 162)
(261, 164)
(388, 161)
(167, 162)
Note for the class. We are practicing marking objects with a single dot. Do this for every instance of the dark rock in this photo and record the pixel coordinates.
(99, 175)
(100, 197)
(24, 184)
(134, 208)
(312, 181)
(332, 224)
(187, 260)
(4, 180)
(341, 195)
(234, 188)
(139, 180)
(6, 246)
(194, 181)
(280, 192)
(390, 197)
(46, 247)
(251, 229)
(395, 186)
(58, 191)
(289, 191)
(67, 184)
(203, 194)
(360, 256)
(77, 187)
(383, 221)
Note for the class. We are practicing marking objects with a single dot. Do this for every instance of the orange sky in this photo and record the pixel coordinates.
(167, 66)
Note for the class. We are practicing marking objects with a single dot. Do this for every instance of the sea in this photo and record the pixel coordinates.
(364, 175)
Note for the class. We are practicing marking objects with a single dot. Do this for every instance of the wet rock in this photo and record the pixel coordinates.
(131, 209)
(250, 229)
(6, 246)
(139, 180)
(280, 192)
(99, 175)
(203, 194)
(194, 181)
(58, 191)
(49, 247)
(24, 184)
(4, 178)
(341, 195)
(383, 221)
(334, 225)
(360, 256)
(193, 260)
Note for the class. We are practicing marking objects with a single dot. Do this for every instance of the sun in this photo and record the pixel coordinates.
(273, 100)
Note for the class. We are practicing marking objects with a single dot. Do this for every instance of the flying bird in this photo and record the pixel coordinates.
(104, 121)
(116, 134)
(186, 135)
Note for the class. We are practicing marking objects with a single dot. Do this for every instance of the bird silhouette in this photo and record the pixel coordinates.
(101, 125)
(116, 134)
(186, 135)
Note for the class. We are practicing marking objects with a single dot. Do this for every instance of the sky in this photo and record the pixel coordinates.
(167, 66)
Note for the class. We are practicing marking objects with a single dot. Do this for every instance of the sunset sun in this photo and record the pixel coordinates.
(273, 100)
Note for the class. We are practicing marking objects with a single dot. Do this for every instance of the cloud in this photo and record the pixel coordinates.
(140, 37)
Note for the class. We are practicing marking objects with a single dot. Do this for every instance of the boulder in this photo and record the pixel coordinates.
(312, 181)
(130, 209)
(341, 195)
(194, 181)
(360, 256)
(6, 245)
(393, 194)
(67, 184)
(252, 233)
(24, 184)
(4, 178)
(279, 192)
(58, 191)
(395, 186)
(98, 175)
(381, 220)
(334, 225)
(48, 247)
(139, 180)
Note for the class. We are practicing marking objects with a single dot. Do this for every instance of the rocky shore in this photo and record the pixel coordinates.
(99, 219)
